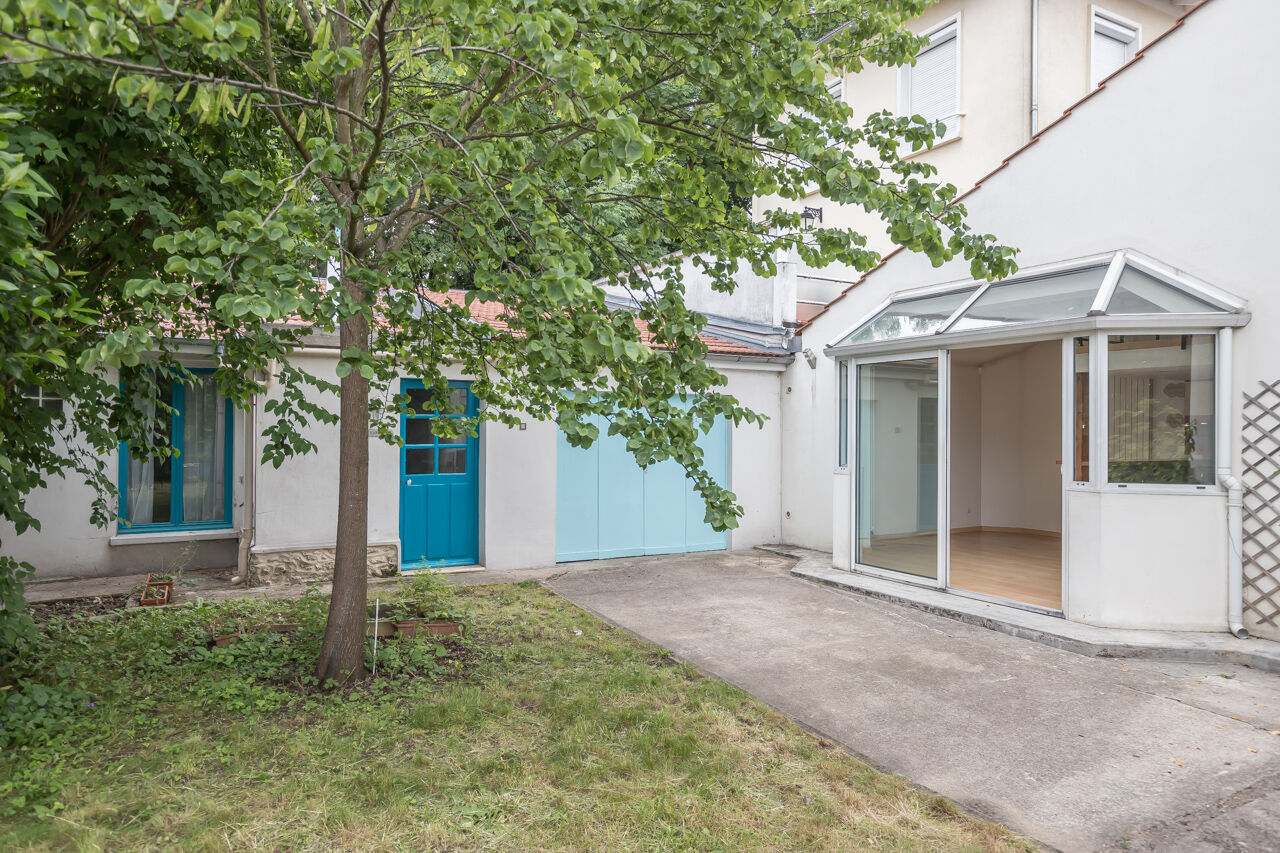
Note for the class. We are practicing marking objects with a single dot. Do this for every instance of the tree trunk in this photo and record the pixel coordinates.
(342, 655)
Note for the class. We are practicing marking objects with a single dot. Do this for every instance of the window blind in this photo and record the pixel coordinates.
(933, 79)
(1113, 46)
(1108, 55)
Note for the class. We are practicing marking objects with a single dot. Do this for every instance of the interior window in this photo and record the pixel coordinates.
(1160, 409)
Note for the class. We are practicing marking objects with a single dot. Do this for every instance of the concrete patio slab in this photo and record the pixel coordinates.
(1190, 646)
(1080, 753)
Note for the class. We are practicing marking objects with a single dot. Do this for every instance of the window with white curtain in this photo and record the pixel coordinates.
(930, 88)
(1114, 42)
(1160, 408)
(191, 489)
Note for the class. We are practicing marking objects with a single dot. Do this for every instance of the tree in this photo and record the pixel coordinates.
(90, 183)
(518, 136)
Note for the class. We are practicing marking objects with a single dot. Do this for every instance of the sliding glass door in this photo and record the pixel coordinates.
(900, 474)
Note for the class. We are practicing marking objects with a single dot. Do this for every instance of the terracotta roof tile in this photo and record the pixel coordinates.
(493, 315)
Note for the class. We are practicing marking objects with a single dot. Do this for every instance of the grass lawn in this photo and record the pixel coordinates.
(550, 730)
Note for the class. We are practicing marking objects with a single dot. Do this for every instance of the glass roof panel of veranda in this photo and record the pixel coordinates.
(1120, 284)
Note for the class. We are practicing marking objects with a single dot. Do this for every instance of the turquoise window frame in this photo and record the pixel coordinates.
(123, 525)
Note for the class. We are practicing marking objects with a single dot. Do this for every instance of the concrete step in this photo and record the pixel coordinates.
(1089, 640)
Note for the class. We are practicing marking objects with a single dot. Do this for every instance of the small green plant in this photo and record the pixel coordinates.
(429, 595)
(33, 712)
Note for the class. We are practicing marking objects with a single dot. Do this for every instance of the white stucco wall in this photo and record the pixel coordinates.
(755, 453)
(518, 495)
(297, 506)
(995, 85)
(1146, 561)
(1139, 165)
(809, 455)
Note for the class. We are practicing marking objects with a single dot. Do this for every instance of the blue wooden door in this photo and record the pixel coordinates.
(608, 506)
(439, 493)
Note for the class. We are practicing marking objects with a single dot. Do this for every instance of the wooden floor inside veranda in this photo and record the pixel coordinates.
(1017, 566)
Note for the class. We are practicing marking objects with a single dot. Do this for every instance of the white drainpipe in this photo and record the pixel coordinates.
(1235, 491)
(248, 528)
(1035, 67)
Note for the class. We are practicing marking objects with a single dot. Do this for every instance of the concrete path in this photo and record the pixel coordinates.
(1079, 753)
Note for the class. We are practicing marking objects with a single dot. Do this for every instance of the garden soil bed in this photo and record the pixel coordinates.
(98, 605)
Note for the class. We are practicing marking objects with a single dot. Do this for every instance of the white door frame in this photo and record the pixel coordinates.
(943, 360)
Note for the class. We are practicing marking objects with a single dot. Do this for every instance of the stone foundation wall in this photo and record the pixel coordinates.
(308, 564)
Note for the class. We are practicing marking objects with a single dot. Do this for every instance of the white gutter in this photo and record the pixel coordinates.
(1035, 67)
(1137, 324)
(1235, 490)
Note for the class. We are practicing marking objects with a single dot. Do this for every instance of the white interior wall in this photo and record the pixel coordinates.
(890, 459)
(966, 446)
(1021, 440)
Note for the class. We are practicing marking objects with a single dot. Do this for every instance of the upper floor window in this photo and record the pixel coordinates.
(835, 88)
(42, 398)
(192, 489)
(1114, 42)
(931, 88)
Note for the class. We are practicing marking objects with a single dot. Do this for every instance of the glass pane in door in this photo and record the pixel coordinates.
(897, 488)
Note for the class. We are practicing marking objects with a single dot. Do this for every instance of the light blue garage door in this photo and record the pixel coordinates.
(608, 506)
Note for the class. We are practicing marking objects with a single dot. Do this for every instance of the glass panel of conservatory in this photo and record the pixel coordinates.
(1056, 297)
(909, 318)
(1139, 293)
(1080, 397)
(897, 466)
(1160, 409)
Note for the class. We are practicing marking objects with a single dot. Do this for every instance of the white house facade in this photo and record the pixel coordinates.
(506, 498)
(1096, 436)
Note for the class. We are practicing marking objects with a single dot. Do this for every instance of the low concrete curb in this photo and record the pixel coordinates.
(1088, 640)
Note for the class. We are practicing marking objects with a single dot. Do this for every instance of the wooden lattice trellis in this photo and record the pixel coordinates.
(1261, 541)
